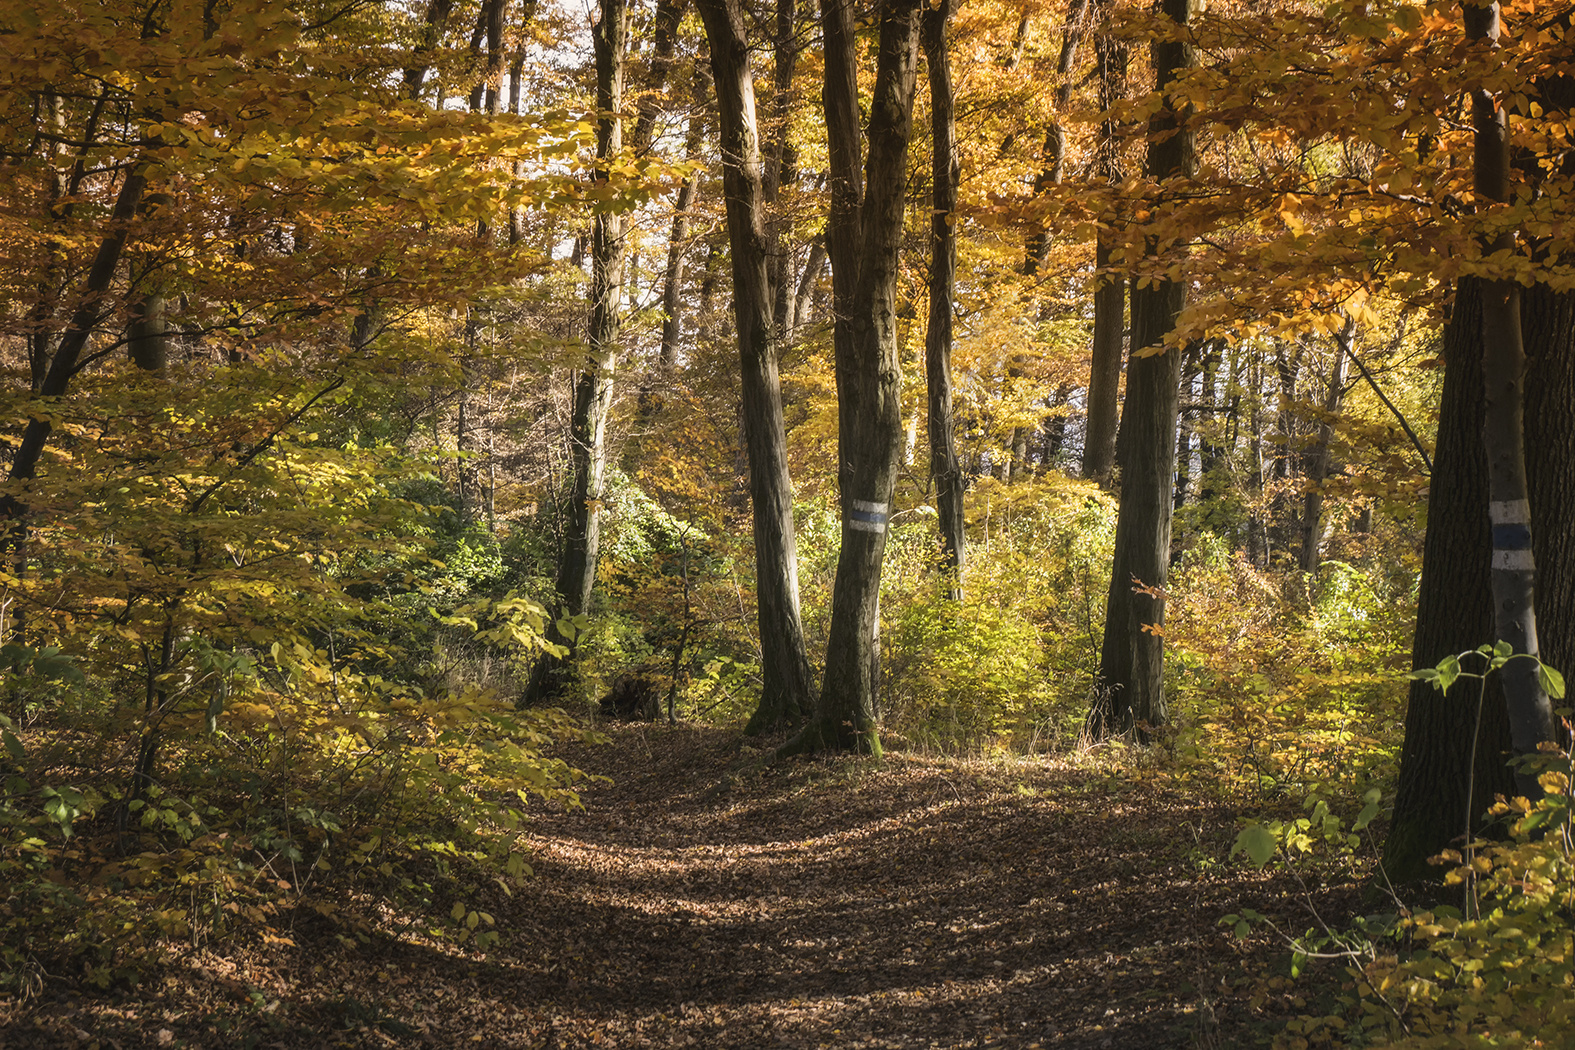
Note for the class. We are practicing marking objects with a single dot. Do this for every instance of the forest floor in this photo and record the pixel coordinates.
(702, 898)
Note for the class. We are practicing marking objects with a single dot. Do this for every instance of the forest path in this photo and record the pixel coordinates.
(913, 903)
(701, 898)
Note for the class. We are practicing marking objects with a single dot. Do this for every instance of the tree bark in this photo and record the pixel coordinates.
(864, 235)
(1104, 378)
(1441, 791)
(781, 167)
(945, 173)
(1054, 169)
(1110, 290)
(678, 236)
(431, 35)
(90, 311)
(1130, 690)
(1316, 469)
(1513, 574)
(594, 391)
(786, 696)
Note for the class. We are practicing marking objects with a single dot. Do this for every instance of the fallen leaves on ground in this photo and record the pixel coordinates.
(706, 898)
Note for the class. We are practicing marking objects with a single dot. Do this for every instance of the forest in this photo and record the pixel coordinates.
(1011, 523)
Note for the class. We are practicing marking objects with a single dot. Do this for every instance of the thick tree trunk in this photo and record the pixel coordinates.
(1130, 690)
(864, 234)
(786, 696)
(594, 392)
(945, 172)
(1455, 604)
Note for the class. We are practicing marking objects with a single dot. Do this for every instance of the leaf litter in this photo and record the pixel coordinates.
(703, 897)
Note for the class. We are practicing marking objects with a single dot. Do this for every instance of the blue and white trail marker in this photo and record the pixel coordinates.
(867, 517)
(1511, 535)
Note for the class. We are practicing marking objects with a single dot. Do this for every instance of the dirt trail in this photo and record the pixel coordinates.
(918, 904)
(699, 900)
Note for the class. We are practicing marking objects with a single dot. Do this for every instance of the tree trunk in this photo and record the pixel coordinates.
(1054, 169)
(782, 164)
(90, 311)
(1317, 462)
(1513, 574)
(864, 234)
(1455, 603)
(806, 287)
(665, 39)
(431, 36)
(1110, 289)
(786, 695)
(945, 173)
(594, 392)
(1130, 690)
(1104, 379)
(677, 246)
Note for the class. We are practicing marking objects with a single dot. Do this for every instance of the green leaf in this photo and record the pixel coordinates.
(13, 744)
(1369, 811)
(1257, 843)
(1552, 681)
(457, 913)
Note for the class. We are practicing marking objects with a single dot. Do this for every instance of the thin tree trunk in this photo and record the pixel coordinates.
(516, 89)
(786, 696)
(1513, 573)
(594, 391)
(677, 246)
(806, 287)
(1104, 379)
(1054, 168)
(1317, 464)
(945, 173)
(782, 161)
(90, 311)
(430, 37)
(1130, 691)
(664, 41)
(1110, 290)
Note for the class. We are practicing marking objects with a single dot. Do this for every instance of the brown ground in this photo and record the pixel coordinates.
(700, 900)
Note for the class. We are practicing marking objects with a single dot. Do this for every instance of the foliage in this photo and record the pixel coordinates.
(1279, 692)
(1010, 665)
(247, 717)
(1496, 970)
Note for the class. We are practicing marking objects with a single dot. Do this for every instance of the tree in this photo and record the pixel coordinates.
(1513, 572)
(1453, 760)
(593, 393)
(863, 236)
(1110, 289)
(1130, 689)
(945, 172)
(787, 683)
